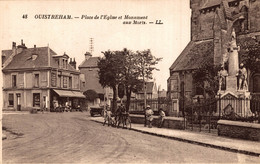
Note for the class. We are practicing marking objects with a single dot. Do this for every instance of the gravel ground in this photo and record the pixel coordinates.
(74, 138)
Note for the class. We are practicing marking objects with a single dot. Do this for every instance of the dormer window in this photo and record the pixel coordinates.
(34, 56)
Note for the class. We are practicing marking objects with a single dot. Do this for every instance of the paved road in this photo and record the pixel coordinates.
(73, 137)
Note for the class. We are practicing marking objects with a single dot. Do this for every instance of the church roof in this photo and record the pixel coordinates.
(194, 55)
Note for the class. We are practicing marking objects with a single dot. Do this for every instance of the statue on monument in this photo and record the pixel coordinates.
(222, 78)
(242, 77)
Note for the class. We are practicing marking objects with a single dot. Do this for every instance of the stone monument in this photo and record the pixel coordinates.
(235, 92)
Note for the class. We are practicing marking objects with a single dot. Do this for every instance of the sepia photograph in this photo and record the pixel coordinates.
(133, 81)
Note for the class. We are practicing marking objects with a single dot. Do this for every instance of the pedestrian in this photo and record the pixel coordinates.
(119, 114)
(161, 117)
(149, 113)
(107, 115)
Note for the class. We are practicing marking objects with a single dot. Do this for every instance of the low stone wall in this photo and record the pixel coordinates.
(169, 122)
(236, 129)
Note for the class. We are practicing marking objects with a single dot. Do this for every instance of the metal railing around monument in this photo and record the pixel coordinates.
(203, 116)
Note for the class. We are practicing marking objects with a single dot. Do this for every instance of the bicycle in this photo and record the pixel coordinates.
(124, 118)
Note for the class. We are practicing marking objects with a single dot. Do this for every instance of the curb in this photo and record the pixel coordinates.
(196, 142)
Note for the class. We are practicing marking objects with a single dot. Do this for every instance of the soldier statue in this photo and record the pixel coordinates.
(242, 78)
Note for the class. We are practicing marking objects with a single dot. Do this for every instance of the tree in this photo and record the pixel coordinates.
(110, 70)
(91, 95)
(146, 62)
(250, 54)
(128, 68)
(206, 78)
(130, 74)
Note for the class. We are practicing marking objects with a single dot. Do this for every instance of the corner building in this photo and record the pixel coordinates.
(36, 77)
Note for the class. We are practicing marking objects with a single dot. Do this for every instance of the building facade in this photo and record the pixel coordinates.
(151, 92)
(137, 99)
(212, 24)
(90, 81)
(38, 78)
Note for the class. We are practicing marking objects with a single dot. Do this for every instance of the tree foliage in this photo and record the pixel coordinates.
(126, 67)
(146, 64)
(91, 95)
(110, 68)
(206, 78)
(250, 54)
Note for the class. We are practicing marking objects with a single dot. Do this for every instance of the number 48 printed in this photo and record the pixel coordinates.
(25, 16)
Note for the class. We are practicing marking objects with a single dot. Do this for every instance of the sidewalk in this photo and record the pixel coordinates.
(229, 144)
(22, 112)
(15, 112)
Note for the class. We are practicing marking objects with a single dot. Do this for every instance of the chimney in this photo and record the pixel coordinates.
(87, 55)
(73, 63)
(21, 47)
(14, 48)
(14, 45)
(34, 54)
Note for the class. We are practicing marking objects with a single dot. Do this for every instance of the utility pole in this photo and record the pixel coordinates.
(91, 45)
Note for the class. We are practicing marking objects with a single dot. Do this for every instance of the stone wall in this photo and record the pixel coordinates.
(169, 122)
(242, 130)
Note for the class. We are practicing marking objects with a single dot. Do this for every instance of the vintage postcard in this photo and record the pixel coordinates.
(112, 81)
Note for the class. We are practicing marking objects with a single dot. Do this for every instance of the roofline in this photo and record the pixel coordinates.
(186, 49)
(40, 68)
(26, 69)
(80, 66)
(184, 70)
(87, 67)
(180, 56)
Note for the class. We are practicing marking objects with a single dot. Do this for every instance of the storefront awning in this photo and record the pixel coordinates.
(78, 94)
(64, 93)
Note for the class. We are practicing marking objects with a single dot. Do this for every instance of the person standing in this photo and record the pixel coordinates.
(161, 117)
(149, 113)
(107, 116)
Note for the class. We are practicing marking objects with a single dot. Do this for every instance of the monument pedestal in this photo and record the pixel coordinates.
(238, 101)
(231, 82)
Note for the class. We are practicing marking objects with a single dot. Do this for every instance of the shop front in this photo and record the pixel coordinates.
(67, 100)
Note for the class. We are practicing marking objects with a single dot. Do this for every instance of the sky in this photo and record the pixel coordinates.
(72, 36)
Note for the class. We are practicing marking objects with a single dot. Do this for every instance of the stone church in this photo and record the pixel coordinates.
(222, 31)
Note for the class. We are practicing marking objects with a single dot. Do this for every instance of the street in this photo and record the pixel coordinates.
(73, 137)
